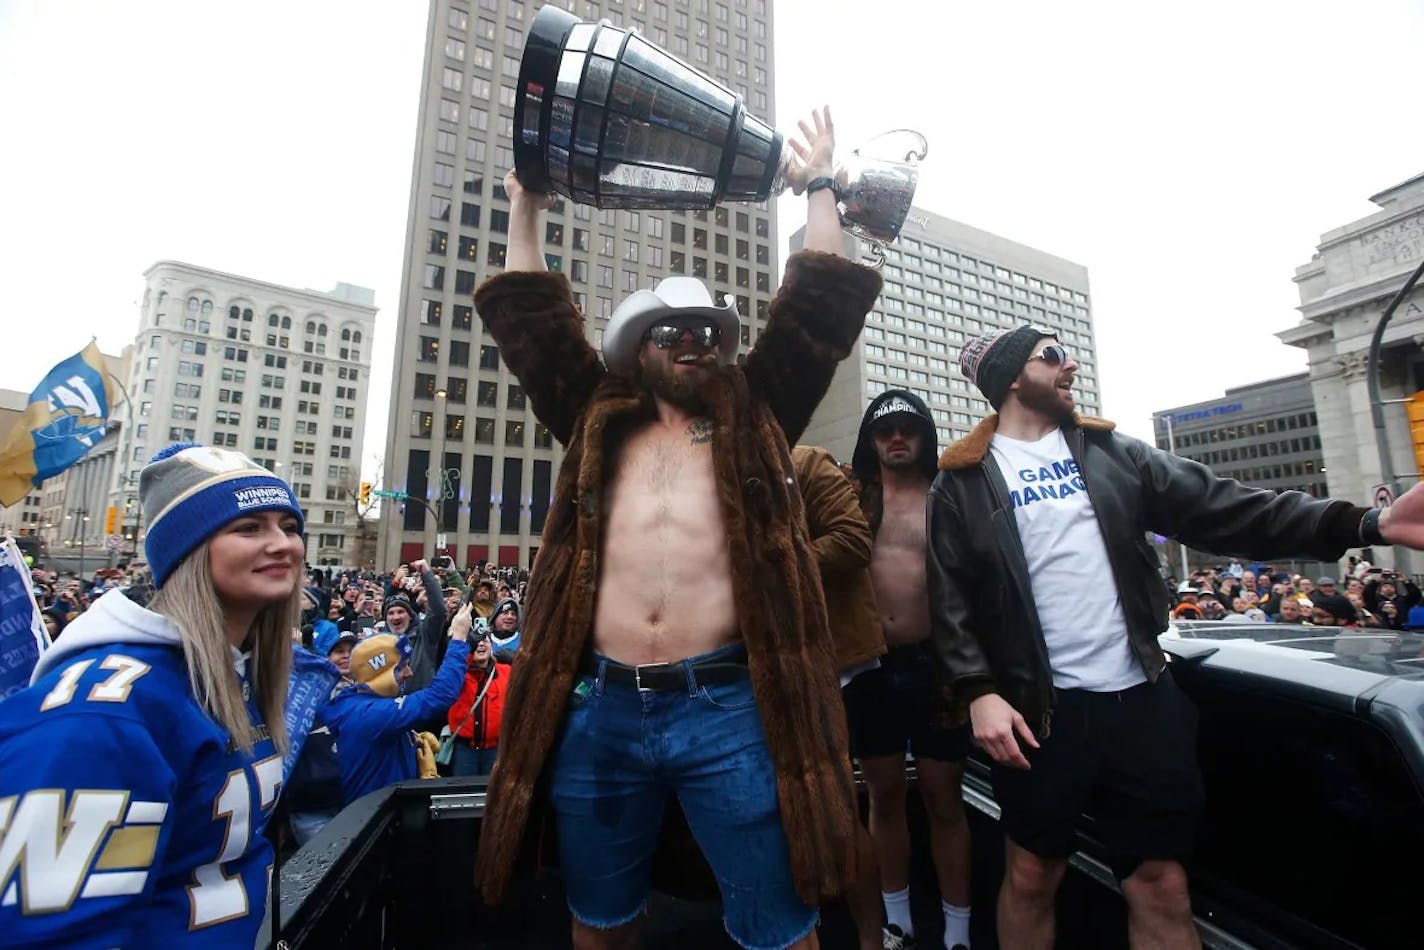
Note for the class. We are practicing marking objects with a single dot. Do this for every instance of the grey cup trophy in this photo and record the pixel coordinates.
(604, 117)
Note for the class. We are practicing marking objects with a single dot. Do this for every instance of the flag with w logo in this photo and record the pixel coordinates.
(67, 415)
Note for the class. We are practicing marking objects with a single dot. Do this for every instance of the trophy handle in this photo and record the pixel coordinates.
(875, 257)
(916, 154)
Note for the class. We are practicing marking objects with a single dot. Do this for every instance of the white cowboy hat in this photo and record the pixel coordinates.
(673, 297)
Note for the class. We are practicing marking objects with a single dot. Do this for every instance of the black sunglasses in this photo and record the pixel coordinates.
(667, 335)
(895, 427)
(1054, 354)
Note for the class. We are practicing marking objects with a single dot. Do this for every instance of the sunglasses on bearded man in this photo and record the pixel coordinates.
(665, 336)
(1054, 354)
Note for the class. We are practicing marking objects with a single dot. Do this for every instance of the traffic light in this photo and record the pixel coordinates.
(111, 520)
(1415, 410)
(364, 498)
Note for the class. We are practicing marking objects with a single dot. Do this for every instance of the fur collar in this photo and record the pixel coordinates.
(970, 450)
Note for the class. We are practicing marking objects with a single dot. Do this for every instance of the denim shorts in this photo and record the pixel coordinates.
(623, 752)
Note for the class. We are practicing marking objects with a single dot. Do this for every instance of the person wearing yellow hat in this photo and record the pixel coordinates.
(374, 718)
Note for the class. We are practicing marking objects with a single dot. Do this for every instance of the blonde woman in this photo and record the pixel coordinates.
(138, 769)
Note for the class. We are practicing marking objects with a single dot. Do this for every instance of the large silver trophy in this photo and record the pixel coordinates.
(606, 118)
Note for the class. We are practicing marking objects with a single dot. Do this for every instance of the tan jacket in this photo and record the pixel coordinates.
(841, 540)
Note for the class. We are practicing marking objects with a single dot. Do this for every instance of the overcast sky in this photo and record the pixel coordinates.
(1189, 155)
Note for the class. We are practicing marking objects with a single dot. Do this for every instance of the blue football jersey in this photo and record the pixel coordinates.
(127, 816)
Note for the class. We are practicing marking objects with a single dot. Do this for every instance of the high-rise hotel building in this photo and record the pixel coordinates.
(947, 282)
(461, 436)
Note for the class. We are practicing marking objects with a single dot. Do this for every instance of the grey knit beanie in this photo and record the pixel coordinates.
(993, 361)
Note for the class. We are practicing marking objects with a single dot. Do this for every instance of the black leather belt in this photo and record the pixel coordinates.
(661, 677)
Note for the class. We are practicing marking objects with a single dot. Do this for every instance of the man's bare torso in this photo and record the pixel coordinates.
(897, 568)
(665, 580)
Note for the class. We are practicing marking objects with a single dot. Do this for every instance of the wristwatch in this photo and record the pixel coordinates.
(1369, 528)
(825, 181)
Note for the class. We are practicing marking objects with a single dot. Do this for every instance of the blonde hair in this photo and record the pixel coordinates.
(189, 599)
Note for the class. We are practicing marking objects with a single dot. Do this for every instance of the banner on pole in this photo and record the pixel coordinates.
(22, 631)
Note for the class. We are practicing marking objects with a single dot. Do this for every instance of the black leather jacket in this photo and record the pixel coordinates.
(984, 623)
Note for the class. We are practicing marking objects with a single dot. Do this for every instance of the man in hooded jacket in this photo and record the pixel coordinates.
(896, 707)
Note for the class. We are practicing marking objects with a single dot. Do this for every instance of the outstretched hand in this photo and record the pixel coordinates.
(460, 623)
(1403, 521)
(815, 153)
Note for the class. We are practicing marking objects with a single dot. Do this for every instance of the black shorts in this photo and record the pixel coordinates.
(895, 707)
(1127, 759)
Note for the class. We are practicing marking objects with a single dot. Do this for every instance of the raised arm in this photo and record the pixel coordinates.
(530, 313)
(820, 307)
(526, 214)
(816, 316)
(823, 220)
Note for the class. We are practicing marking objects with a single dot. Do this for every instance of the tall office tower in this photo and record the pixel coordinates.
(462, 442)
(945, 283)
(277, 373)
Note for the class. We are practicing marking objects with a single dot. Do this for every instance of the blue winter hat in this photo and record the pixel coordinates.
(188, 491)
(327, 637)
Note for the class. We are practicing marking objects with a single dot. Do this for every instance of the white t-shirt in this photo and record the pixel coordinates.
(1073, 586)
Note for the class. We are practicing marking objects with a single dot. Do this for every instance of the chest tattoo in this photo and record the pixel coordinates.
(700, 431)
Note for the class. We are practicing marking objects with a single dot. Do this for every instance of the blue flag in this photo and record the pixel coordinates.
(67, 415)
(22, 631)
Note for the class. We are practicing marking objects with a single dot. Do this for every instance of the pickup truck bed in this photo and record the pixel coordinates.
(1312, 748)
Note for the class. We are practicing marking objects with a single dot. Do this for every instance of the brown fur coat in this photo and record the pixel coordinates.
(756, 410)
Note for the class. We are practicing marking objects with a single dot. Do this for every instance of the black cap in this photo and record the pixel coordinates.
(905, 404)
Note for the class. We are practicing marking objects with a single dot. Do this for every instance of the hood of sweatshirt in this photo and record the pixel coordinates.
(112, 620)
(905, 404)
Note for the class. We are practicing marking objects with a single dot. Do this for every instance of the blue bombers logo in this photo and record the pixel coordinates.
(76, 414)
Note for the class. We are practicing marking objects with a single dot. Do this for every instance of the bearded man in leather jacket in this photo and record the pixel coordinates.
(1061, 674)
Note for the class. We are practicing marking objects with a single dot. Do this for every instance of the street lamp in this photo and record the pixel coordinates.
(80, 516)
(1388, 476)
(1172, 447)
(438, 459)
(132, 507)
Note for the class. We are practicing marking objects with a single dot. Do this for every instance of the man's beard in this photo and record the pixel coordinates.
(1045, 399)
(681, 390)
(900, 464)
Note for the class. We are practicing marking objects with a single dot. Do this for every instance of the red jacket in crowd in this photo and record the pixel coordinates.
(482, 729)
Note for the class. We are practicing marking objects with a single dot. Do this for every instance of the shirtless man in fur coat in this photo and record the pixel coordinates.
(676, 638)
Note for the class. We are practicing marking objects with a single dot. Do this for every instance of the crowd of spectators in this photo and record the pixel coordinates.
(1364, 597)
